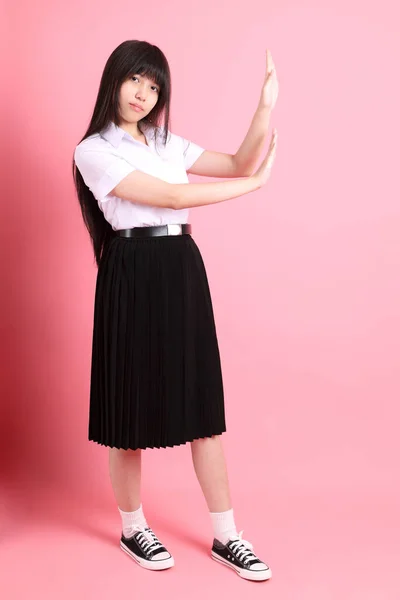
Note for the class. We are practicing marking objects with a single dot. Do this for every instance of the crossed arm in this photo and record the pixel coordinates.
(145, 189)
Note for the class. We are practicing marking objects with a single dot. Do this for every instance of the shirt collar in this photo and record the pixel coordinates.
(114, 134)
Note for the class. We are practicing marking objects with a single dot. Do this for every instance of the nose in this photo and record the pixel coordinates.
(141, 93)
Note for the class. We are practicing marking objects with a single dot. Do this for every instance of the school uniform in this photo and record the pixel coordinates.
(156, 376)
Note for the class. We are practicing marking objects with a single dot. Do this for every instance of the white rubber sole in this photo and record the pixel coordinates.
(153, 565)
(244, 573)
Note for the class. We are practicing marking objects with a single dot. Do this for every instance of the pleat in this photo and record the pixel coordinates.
(156, 376)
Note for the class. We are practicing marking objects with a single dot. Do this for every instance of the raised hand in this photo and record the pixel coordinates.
(270, 89)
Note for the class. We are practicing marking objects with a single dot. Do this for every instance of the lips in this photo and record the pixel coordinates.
(136, 106)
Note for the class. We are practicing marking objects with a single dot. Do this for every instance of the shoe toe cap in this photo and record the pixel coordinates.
(259, 567)
(162, 556)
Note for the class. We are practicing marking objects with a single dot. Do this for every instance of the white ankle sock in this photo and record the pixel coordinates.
(131, 521)
(224, 525)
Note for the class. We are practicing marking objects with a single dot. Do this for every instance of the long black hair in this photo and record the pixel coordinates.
(129, 58)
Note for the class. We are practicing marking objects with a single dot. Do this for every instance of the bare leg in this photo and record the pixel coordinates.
(210, 467)
(125, 473)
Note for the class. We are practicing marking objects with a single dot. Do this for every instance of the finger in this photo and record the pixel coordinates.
(270, 67)
(271, 63)
(274, 133)
(272, 149)
(268, 60)
(271, 154)
(269, 165)
(269, 75)
(271, 157)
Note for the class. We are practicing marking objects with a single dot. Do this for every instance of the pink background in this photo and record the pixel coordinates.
(305, 281)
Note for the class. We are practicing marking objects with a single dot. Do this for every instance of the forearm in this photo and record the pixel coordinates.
(246, 158)
(188, 195)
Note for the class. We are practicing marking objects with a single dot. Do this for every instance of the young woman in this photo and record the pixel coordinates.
(156, 375)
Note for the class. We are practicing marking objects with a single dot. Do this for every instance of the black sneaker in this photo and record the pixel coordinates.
(145, 547)
(237, 554)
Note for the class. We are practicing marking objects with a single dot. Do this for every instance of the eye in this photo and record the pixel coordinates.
(155, 87)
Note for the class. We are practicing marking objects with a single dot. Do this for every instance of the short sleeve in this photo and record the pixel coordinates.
(191, 152)
(101, 170)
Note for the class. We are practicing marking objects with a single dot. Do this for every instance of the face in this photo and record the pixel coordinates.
(137, 90)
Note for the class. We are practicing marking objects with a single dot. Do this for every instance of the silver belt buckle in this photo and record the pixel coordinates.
(174, 229)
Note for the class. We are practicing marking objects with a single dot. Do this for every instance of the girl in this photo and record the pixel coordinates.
(156, 374)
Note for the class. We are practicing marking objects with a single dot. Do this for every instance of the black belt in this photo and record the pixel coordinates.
(154, 230)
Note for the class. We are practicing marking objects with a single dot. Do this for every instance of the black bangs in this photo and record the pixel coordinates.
(152, 73)
(155, 72)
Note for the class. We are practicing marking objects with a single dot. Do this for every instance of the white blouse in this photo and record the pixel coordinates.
(105, 158)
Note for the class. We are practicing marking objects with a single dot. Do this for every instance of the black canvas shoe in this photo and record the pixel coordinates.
(147, 550)
(238, 554)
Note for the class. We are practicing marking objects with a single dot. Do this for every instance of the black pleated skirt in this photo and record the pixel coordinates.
(156, 376)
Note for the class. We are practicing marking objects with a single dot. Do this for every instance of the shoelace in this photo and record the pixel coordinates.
(148, 540)
(242, 548)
